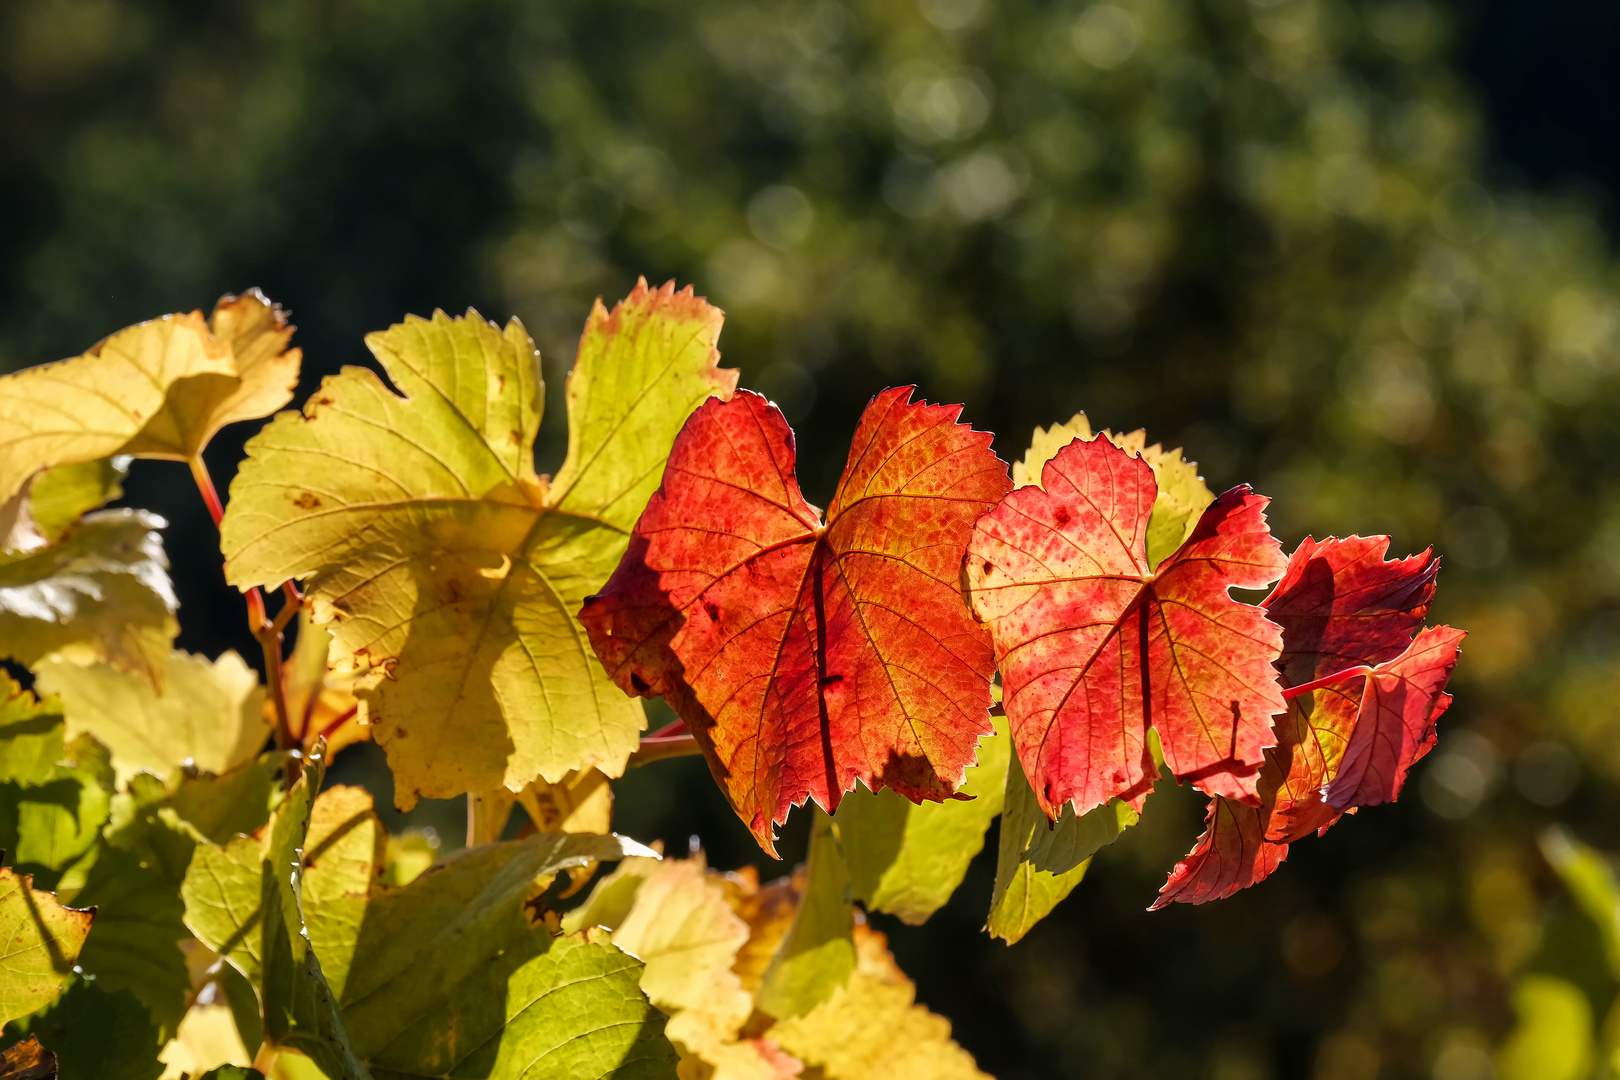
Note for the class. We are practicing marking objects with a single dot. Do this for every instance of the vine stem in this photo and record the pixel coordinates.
(657, 748)
(1302, 689)
(265, 631)
(265, 1059)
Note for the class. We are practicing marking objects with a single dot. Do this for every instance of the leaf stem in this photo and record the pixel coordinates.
(1292, 692)
(658, 748)
(265, 632)
(265, 1059)
(677, 727)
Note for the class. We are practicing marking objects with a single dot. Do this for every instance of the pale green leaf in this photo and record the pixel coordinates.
(1182, 493)
(209, 716)
(1552, 1038)
(40, 941)
(452, 572)
(243, 901)
(1038, 865)
(500, 996)
(59, 497)
(907, 859)
(54, 798)
(102, 594)
(871, 1028)
(87, 408)
(818, 953)
(1590, 879)
(125, 1045)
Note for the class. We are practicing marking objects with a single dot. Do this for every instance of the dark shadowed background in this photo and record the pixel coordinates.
(1356, 254)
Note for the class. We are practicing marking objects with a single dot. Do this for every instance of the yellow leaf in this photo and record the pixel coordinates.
(872, 1029)
(1182, 493)
(90, 406)
(210, 715)
(261, 379)
(450, 571)
(207, 1039)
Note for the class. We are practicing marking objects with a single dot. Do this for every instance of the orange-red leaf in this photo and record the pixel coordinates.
(1094, 647)
(1347, 616)
(1396, 724)
(815, 654)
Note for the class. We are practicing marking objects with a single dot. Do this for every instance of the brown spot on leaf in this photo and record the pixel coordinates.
(641, 685)
(307, 501)
(714, 612)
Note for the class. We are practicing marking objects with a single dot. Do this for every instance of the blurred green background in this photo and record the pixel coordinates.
(1353, 253)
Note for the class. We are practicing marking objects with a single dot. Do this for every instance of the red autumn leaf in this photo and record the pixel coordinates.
(1094, 647)
(814, 654)
(1403, 699)
(1346, 615)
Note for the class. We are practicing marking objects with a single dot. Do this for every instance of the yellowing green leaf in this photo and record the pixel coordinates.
(54, 798)
(261, 378)
(1038, 865)
(101, 594)
(818, 953)
(872, 1029)
(59, 497)
(907, 859)
(1182, 493)
(210, 715)
(451, 571)
(88, 407)
(207, 1039)
(1553, 1036)
(40, 942)
(243, 901)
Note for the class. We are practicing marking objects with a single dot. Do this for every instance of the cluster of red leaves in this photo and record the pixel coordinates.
(805, 655)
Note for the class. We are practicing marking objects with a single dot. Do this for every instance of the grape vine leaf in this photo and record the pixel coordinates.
(126, 1043)
(27, 1060)
(59, 497)
(101, 593)
(1344, 608)
(506, 997)
(906, 859)
(819, 655)
(681, 925)
(209, 716)
(262, 375)
(1039, 863)
(451, 570)
(54, 796)
(243, 900)
(817, 953)
(872, 1029)
(207, 1040)
(1094, 647)
(40, 941)
(88, 407)
(1181, 498)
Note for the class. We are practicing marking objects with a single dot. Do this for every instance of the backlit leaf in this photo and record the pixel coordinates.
(1094, 646)
(452, 571)
(825, 654)
(125, 1044)
(907, 859)
(1037, 863)
(873, 1029)
(101, 593)
(1342, 606)
(817, 954)
(243, 900)
(503, 995)
(209, 715)
(1182, 494)
(54, 797)
(260, 380)
(27, 1060)
(40, 941)
(87, 408)
(1553, 1037)
(207, 1039)
(59, 497)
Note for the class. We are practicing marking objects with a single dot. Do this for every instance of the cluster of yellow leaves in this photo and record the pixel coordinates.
(709, 940)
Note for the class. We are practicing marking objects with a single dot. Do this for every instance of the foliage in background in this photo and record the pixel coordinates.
(1258, 229)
